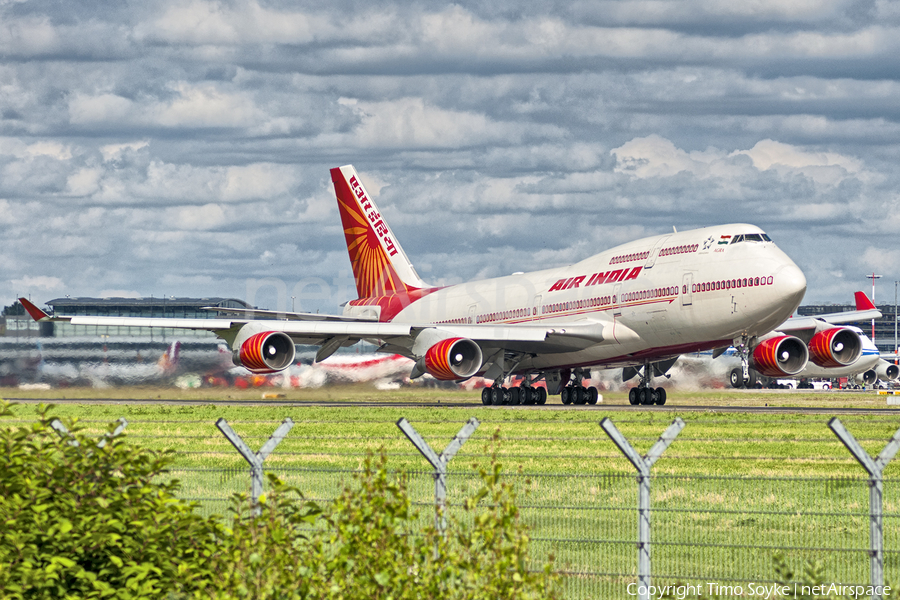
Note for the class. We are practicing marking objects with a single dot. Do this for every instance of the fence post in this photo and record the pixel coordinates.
(875, 468)
(643, 465)
(255, 458)
(63, 431)
(439, 462)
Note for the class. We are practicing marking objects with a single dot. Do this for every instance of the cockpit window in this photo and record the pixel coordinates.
(750, 237)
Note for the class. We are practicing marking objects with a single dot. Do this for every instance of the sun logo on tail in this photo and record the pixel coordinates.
(380, 267)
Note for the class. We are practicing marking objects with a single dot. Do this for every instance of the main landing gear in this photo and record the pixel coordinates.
(525, 394)
(644, 393)
(578, 394)
(572, 392)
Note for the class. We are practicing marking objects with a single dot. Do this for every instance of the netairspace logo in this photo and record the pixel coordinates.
(759, 590)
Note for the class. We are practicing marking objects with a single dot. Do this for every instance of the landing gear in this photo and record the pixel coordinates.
(644, 394)
(737, 380)
(527, 393)
(574, 393)
(524, 394)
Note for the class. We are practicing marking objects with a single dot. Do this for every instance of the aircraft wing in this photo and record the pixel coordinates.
(253, 313)
(333, 331)
(865, 311)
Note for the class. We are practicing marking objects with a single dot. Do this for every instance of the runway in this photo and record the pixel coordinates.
(437, 404)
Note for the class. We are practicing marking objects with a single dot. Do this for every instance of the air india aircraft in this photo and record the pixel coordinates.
(637, 306)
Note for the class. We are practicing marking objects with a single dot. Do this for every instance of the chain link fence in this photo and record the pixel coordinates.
(714, 533)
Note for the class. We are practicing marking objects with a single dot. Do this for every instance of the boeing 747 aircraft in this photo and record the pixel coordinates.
(637, 307)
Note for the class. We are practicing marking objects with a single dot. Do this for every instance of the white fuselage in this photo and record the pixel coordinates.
(654, 298)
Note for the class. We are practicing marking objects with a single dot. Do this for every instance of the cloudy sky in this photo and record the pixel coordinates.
(182, 148)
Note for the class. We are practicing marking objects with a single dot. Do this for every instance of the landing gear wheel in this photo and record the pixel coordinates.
(660, 396)
(633, 397)
(525, 395)
(578, 395)
(497, 396)
(541, 396)
(645, 396)
(592, 395)
(736, 378)
(514, 396)
(486, 395)
(565, 395)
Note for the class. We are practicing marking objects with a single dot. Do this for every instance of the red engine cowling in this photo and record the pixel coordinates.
(453, 358)
(780, 356)
(833, 348)
(266, 352)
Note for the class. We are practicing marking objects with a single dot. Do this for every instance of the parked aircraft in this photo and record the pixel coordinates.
(637, 306)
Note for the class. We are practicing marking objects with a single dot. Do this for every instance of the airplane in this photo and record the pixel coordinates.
(868, 363)
(637, 306)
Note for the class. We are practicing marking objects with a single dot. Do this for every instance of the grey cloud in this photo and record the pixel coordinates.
(184, 148)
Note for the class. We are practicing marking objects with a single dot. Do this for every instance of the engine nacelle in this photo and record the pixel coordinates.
(869, 377)
(780, 356)
(266, 352)
(836, 347)
(887, 371)
(453, 358)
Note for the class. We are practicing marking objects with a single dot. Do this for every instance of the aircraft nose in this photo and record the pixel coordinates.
(790, 283)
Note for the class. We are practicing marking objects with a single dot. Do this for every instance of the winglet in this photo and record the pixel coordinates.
(36, 313)
(863, 302)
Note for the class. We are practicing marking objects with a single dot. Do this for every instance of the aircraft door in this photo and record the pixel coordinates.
(651, 260)
(687, 282)
(617, 304)
(536, 308)
(473, 308)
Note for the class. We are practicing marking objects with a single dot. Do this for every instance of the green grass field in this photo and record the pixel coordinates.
(731, 489)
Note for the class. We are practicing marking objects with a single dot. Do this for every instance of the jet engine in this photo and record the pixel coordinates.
(833, 348)
(453, 358)
(887, 371)
(869, 377)
(266, 352)
(780, 356)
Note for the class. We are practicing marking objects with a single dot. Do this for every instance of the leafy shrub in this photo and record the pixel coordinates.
(85, 521)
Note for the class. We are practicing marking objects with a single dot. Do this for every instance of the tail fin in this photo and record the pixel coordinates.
(169, 359)
(380, 266)
(863, 302)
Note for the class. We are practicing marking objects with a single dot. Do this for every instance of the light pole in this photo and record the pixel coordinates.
(873, 276)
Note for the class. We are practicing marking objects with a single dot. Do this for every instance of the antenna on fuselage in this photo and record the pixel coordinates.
(674, 230)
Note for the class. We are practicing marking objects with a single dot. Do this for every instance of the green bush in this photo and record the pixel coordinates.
(85, 521)
(82, 521)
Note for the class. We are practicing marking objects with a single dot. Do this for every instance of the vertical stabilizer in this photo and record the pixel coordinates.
(380, 266)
